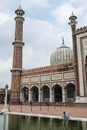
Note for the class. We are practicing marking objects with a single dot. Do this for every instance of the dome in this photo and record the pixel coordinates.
(62, 55)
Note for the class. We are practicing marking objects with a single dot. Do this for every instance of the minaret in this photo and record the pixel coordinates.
(17, 57)
(73, 23)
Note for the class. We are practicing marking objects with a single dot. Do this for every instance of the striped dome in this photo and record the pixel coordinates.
(62, 55)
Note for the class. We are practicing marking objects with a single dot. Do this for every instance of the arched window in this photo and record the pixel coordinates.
(70, 92)
(25, 91)
(45, 90)
(34, 90)
(57, 93)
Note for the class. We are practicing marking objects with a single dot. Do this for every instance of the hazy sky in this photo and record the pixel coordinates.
(46, 21)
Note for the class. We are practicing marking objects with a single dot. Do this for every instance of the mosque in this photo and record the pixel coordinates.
(64, 80)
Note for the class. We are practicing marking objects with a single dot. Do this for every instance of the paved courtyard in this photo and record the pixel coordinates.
(73, 111)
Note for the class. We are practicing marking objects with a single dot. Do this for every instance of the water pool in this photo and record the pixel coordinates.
(17, 122)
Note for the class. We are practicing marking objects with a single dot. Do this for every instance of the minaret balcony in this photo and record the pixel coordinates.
(18, 43)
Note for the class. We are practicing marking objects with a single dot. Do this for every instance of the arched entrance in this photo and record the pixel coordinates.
(70, 92)
(34, 90)
(25, 92)
(45, 90)
(57, 93)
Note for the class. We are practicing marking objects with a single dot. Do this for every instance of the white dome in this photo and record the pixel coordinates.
(62, 55)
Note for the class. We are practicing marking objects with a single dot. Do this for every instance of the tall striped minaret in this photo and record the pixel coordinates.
(17, 57)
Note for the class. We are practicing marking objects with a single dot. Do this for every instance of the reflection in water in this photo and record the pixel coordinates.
(4, 122)
(16, 122)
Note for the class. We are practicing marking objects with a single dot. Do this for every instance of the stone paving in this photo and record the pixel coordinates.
(73, 111)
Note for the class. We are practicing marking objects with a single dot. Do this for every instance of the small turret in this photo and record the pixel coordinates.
(73, 21)
(19, 11)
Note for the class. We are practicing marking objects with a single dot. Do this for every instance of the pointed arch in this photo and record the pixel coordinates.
(70, 92)
(25, 92)
(57, 93)
(45, 90)
(34, 90)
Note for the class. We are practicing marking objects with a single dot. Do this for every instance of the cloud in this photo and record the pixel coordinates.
(5, 73)
(34, 59)
(4, 18)
(31, 3)
(6, 33)
(40, 38)
(7, 37)
(63, 12)
(5, 65)
(8, 5)
(39, 34)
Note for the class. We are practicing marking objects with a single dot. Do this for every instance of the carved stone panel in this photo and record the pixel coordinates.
(69, 75)
(25, 80)
(45, 78)
(57, 76)
(35, 79)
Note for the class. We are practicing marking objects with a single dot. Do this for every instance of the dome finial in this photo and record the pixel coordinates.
(72, 14)
(19, 6)
(62, 40)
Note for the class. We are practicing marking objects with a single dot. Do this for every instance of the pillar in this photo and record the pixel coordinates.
(51, 95)
(30, 96)
(63, 95)
(40, 95)
(21, 96)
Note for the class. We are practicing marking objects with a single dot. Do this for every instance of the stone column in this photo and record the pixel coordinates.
(51, 95)
(30, 96)
(84, 126)
(63, 95)
(21, 96)
(40, 96)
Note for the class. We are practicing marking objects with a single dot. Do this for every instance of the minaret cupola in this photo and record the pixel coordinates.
(19, 11)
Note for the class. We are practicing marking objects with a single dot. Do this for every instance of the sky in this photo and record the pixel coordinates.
(46, 22)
